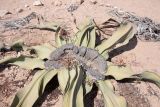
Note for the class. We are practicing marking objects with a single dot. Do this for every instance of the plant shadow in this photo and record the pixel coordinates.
(89, 98)
(92, 98)
(4, 66)
(51, 88)
(131, 45)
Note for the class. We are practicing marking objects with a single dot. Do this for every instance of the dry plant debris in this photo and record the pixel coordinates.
(77, 62)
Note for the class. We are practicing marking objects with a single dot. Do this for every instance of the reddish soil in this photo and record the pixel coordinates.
(139, 55)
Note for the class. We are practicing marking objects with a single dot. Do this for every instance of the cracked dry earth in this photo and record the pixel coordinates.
(139, 55)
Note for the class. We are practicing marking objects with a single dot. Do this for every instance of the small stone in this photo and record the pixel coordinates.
(4, 12)
(57, 3)
(108, 5)
(115, 7)
(19, 10)
(26, 5)
(81, 1)
(37, 3)
(93, 1)
(72, 7)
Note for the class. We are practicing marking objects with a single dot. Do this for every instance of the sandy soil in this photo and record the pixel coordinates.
(140, 55)
(145, 8)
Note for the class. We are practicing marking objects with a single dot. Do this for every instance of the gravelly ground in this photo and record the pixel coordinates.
(140, 55)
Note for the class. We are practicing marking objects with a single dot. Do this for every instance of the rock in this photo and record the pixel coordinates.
(26, 5)
(4, 12)
(19, 10)
(37, 3)
(93, 1)
(57, 2)
(80, 1)
(72, 7)
(108, 5)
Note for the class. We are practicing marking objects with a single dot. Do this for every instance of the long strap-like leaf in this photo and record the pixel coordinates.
(43, 51)
(110, 99)
(64, 80)
(82, 36)
(87, 85)
(57, 38)
(120, 35)
(16, 46)
(120, 73)
(86, 36)
(24, 62)
(150, 76)
(74, 95)
(6, 59)
(27, 96)
(92, 38)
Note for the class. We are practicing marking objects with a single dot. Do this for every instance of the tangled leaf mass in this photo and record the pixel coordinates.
(68, 55)
(18, 23)
(147, 29)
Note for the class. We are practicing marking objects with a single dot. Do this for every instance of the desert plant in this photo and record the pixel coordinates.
(78, 63)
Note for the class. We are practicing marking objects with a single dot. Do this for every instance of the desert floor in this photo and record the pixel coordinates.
(142, 56)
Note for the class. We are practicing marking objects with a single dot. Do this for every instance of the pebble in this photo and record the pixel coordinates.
(26, 5)
(57, 2)
(108, 5)
(93, 1)
(4, 12)
(79, 1)
(19, 10)
(72, 7)
(37, 3)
